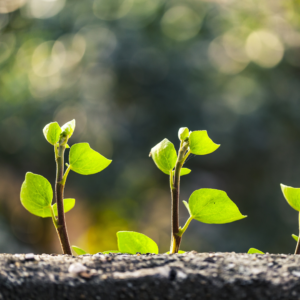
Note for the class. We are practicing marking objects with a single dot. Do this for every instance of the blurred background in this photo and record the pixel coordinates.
(132, 72)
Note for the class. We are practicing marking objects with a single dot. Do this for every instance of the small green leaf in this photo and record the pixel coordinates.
(52, 132)
(295, 237)
(255, 251)
(111, 251)
(187, 206)
(68, 205)
(201, 144)
(78, 250)
(164, 156)
(213, 207)
(68, 129)
(292, 196)
(183, 171)
(86, 161)
(36, 194)
(179, 252)
(67, 146)
(183, 133)
(133, 242)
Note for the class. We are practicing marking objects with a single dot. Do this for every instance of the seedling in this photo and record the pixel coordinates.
(205, 205)
(292, 196)
(36, 190)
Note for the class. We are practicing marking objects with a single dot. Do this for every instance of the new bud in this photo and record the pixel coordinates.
(68, 129)
(183, 133)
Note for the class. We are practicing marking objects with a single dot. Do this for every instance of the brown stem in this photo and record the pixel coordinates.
(175, 191)
(59, 194)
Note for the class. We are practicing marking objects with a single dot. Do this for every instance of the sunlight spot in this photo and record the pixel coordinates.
(264, 48)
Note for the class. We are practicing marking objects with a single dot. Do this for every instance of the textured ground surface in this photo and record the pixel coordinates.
(213, 276)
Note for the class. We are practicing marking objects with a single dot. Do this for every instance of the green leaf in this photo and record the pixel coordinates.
(201, 144)
(292, 196)
(86, 161)
(67, 146)
(52, 132)
(68, 128)
(183, 171)
(133, 242)
(187, 206)
(179, 252)
(183, 133)
(255, 251)
(78, 250)
(164, 156)
(213, 207)
(111, 251)
(68, 205)
(36, 194)
(295, 237)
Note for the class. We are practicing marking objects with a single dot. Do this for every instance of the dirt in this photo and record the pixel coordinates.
(213, 276)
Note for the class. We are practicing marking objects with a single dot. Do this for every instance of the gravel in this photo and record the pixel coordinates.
(213, 276)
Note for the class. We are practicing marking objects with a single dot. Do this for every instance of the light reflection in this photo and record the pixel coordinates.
(141, 13)
(74, 47)
(181, 23)
(111, 9)
(7, 6)
(48, 58)
(227, 54)
(264, 48)
(43, 9)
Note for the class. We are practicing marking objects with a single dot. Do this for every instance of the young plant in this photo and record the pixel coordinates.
(205, 205)
(292, 196)
(36, 191)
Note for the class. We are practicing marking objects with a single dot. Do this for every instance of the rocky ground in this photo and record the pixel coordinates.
(213, 276)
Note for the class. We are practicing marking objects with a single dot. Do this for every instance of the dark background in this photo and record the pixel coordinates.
(132, 72)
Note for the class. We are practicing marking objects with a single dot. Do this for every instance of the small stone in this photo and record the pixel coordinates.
(77, 268)
(296, 273)
(29, 256)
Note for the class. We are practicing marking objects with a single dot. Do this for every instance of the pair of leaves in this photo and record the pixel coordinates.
(164, 154)
(212, 207)
(37, 194)
(129, 242)
(53, 131)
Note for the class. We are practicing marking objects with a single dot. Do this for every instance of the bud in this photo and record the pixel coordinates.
(68, 129)
(183, 133)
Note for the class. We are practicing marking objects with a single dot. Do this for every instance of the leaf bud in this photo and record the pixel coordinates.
(183, 133)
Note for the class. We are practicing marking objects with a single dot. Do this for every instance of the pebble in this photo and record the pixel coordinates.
(77, 268)
(29, 256)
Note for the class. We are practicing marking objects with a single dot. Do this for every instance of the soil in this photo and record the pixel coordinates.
(213, 276)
